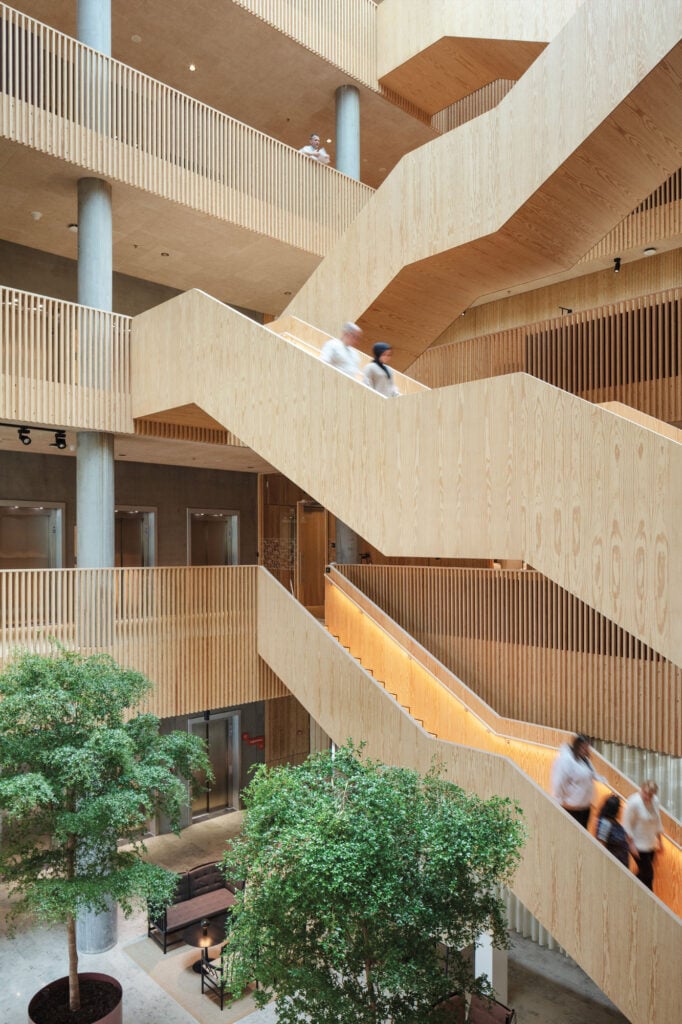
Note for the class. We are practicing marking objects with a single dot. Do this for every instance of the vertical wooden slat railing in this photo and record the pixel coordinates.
(63, 364)
(344, 33)
(67, 100)
(191, 630)
(629, 351)
(533, 651)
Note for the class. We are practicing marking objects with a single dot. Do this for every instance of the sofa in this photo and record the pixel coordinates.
(202, 892)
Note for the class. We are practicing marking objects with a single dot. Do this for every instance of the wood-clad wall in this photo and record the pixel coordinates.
(581, 895)
(192, 631)
(473, 105)
(509, 467)
(659, 273)
(629, 352)
(69, 101)
(533, 651)
(287, 732)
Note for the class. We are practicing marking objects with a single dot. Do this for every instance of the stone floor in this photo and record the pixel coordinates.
(544, 986)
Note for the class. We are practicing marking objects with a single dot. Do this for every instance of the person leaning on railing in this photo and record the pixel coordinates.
(315, 150)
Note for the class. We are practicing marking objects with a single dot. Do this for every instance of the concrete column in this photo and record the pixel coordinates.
(348, 131)
(96, 933)
(493, 962)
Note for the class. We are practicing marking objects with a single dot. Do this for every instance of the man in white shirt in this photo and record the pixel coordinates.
(642, 823)
(315, 150)
(342, 352)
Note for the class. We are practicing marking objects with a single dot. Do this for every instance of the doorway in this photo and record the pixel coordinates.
(220, 732)
(212, 537)
(31, 535)
(135, 537)
(312, 544)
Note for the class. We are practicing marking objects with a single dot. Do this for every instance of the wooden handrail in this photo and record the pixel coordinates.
(533, 651)
(584, 898)
(70, 101)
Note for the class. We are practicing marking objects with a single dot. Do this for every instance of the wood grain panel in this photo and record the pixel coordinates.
(629, 352)
(477, 103)
(510, 467)
(287, 732)
(583, 897)
(69, 101)
(593, 126)
(534, 652)
(191, 630)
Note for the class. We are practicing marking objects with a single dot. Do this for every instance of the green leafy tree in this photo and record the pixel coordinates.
(357, 876)
(79, 771)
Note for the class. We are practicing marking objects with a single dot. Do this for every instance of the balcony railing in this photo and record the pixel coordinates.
(191, 630)
(69, 101)
(341, 31)
(629, 352)
(63, 364)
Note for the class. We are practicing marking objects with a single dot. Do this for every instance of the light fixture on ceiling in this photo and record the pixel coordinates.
(165, 254)
(24, 435)
(565, 310)
(135, 38)
(616, 265)
(36, 214)
(650, 250)
(72, 227)
(59, 440)
(329, 142)
(192, 67)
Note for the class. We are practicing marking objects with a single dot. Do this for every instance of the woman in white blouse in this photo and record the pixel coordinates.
(378, 374)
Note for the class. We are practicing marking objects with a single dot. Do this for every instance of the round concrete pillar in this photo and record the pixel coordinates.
(348, 131)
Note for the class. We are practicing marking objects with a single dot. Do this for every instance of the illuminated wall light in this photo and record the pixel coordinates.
(650, 250)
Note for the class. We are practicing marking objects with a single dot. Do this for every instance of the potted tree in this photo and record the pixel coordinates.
(80, 770)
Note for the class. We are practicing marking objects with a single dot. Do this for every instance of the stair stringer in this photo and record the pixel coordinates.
(509, 467)
(624, 938)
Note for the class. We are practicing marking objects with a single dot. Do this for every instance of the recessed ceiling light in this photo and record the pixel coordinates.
(650, 251)
(135, 38)
(192, 67)
(72, 227)
(36, 214)
(329, 141)
(287, 293)
(165, 254)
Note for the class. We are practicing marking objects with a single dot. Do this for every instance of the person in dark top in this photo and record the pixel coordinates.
(611, 833)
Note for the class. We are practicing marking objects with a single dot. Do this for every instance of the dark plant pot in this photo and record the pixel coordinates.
(50, 1005)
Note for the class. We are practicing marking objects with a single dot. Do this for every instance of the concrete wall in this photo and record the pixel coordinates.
(25, 477)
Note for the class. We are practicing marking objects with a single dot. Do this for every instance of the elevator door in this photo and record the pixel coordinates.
(221, 735)
(213, 537)
(134, 538)
(30, 536)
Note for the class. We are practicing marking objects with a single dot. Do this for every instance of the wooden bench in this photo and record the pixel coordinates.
(202, 892)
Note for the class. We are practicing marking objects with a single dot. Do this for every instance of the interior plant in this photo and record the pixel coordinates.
(358, 875)
(81, 769)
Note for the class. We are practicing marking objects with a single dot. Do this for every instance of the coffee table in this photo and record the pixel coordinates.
(205, 934)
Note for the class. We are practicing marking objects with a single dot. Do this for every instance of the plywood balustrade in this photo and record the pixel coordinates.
(344, 33)
(582, 896)
(483, 209)
(628, 351)
(476, 103)
(63, 364)
(533, 651)
(510, 467)
(191, 630)
(71, 102)
(441, 702)
(656, 219)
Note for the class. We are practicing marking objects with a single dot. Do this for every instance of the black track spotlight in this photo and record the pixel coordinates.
(616, 265)
(24, 435)
(59, 440)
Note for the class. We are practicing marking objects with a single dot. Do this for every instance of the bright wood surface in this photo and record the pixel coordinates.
(592, 127)
(628, 352)
(628, 941)
(88, 109)
(473, 105)
(532, 651)
(191, 630)
(434, 52)
(509, 467)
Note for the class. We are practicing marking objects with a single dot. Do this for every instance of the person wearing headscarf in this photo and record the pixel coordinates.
(378, 374)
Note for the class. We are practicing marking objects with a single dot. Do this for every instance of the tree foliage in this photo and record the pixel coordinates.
(356, 876)
(78, 772)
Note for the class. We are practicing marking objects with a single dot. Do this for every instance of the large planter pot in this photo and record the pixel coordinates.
(51, 1004)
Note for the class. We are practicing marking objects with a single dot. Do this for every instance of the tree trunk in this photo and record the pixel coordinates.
(74, 987)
